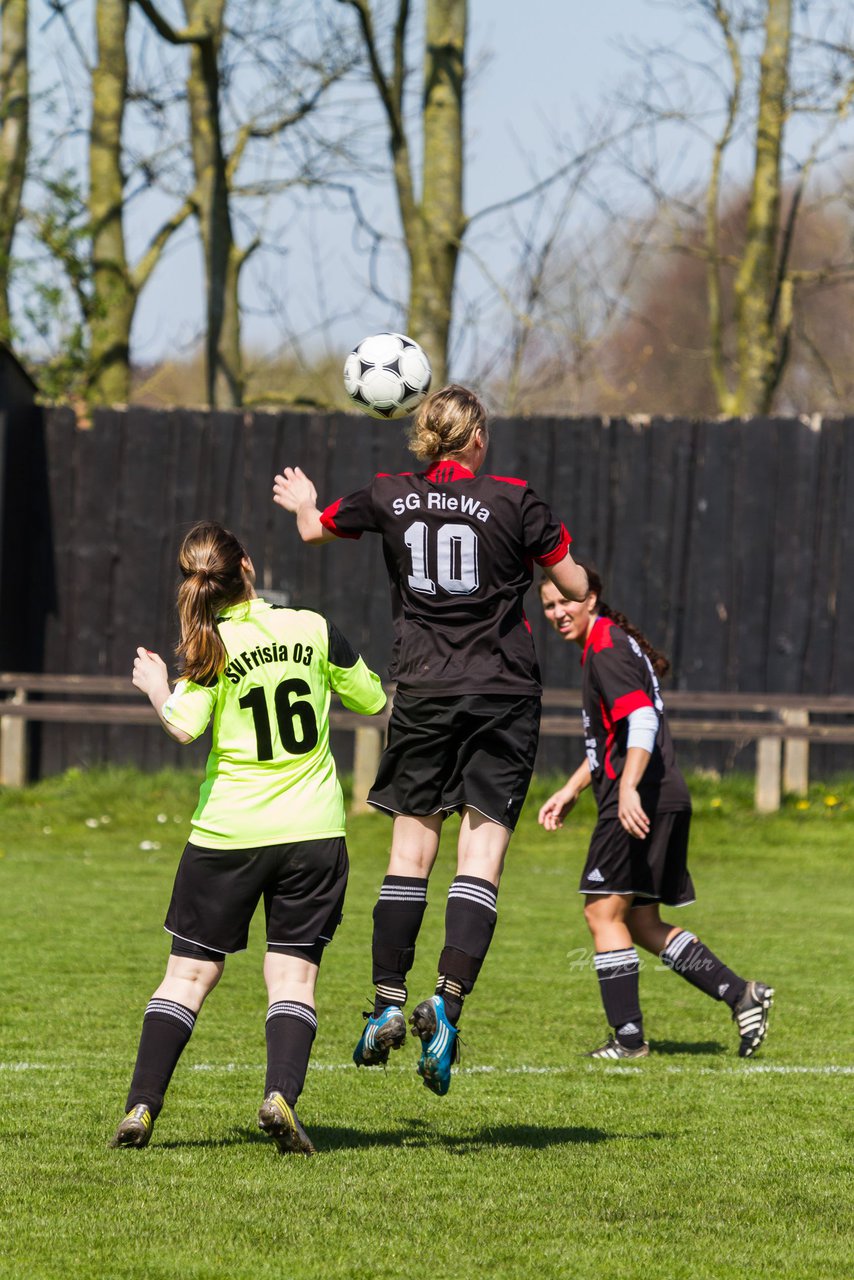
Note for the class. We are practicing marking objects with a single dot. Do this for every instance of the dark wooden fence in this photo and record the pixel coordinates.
(731, 544)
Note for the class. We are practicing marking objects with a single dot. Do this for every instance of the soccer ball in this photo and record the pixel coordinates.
(387, 375)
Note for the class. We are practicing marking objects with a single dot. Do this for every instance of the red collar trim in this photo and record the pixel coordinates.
(598, 637)
(447, 470)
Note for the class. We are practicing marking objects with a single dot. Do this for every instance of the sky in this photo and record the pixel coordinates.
(538, 72)
(536, 69)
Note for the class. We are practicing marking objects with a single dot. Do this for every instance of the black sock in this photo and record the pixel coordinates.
(397, 920)
(470, 916)
(290, 1031)
(166, 1028)
(618, 972)
(451, 991)
(688, 957)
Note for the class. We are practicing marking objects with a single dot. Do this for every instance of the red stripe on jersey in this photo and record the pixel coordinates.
(510, 480)
(599, 637)
(609, 741)
(628, 703)
(327, 519)
(559, 553)
(445, 471)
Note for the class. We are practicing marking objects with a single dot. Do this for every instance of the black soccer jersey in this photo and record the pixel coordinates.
(618, 679)
(459, 550)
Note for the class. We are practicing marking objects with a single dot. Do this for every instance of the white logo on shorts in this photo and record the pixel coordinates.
(596, 875)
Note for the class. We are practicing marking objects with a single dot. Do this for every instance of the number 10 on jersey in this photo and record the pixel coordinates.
(455, 559)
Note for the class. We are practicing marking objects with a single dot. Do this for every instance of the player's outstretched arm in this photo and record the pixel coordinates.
(569, 578)
(556, 808)
(293, 491)
(151, 677)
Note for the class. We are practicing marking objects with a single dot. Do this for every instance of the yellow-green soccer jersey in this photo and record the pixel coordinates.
(270, 776)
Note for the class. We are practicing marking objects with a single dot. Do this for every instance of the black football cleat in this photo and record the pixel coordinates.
(281, 1122)
(751, 1017)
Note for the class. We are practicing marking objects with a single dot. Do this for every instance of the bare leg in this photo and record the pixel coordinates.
(648, 930)
(607, 917)
(482, 847)
(189, 981)
(414, 845)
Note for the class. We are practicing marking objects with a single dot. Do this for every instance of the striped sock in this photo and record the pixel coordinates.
(166, 1029)
(470, 917)
(686, 955)
(290, 1030)
(618, 972)
(389, 995)
(397, 919)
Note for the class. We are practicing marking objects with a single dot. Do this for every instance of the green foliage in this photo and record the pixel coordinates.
(538, 1163)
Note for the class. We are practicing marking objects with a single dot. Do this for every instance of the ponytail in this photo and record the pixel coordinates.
(660, 662)
(211, 562)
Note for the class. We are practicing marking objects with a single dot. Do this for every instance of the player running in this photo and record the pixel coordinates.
(639, 848)
(463, 734)
(269, 822)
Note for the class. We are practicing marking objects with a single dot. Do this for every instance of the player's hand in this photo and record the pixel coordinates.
(631, 813)
(553, 812)
(293, 489)
(149, 671)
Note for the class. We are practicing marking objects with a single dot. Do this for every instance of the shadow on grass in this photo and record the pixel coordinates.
(416, 1134)
(420, 1133)
(711, 1047)
(233, 1138)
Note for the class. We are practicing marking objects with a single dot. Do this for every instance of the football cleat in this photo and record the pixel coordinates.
(751, 1017)
(281, 1122)
(440, 1047)
(135, 1130)
(386, 1031)
(613, 1049)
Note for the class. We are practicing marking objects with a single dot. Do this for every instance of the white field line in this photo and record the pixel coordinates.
(746, 1069)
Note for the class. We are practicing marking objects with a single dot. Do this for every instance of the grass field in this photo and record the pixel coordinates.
(690, 1164)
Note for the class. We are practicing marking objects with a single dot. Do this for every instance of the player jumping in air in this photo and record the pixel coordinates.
(269, 822)
(639, 848)
(463, 733)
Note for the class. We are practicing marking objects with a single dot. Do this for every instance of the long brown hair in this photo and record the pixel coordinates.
(445, 423)
(211, 563)
(660, 663)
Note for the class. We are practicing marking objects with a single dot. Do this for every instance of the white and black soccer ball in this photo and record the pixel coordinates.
(387, 375)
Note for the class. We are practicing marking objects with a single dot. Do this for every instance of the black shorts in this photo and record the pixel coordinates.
(217, 890)
(654, 869)
(446, 754)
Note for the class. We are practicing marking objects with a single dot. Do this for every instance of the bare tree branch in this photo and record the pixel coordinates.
(185, 35)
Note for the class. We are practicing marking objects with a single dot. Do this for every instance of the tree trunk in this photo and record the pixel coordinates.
(113, 291)
(223, 365)
(14, 127)
(756, 282)
(435, 234)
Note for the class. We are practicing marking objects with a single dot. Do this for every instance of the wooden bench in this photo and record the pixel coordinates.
(781, 725)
